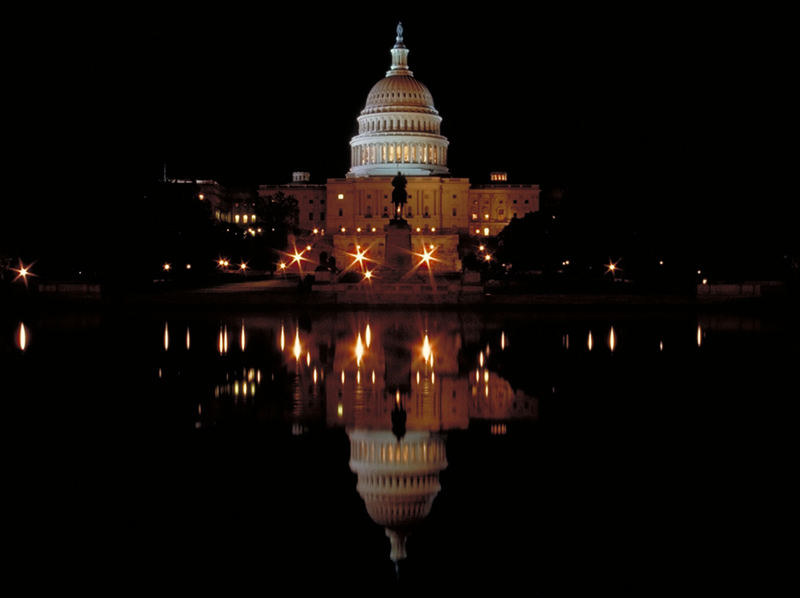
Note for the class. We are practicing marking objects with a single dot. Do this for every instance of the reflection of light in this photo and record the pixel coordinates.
(480, 359)
(397, 396)
(222, 341)
(417, 376)
(359, 349)
(368, 336)
(661, 345)
(188, 339)
(612, 340)
(283, 338)
(166, 337)
(426, 348)
(342, 376)
(589, 342)
(314, 375)
(297, 348)
(242, 338)
(308, 358)
(358, 377)
(22, 337)
(502, 340)
(373, 376)
(699, 335)
(340, 410)
(433, 378)
(477, 376)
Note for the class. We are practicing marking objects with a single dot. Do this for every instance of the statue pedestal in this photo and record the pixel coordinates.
(398, 249)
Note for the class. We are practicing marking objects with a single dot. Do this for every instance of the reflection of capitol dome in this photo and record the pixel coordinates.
(398, 480)
(399, 129)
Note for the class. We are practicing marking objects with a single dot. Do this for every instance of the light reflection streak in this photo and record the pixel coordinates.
(22, 337)
(166, 336)
(359, 349)
(297, 349)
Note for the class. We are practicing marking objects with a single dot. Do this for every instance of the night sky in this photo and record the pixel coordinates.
(676, 114)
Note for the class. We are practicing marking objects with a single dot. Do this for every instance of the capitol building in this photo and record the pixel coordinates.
(399, 131)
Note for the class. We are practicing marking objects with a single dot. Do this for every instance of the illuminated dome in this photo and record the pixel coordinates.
(399, 128)
(397, 479)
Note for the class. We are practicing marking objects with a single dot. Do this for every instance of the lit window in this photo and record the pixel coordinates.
(474, 216)
(486, 216)
(236, 218)
(340, 196)
(244, 218)
(486, 231)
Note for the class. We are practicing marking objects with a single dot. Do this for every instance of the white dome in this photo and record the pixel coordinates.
(399, 128)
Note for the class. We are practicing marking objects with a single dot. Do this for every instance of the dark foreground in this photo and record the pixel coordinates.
(656, 461)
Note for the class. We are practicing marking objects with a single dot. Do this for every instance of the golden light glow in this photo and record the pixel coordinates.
(373, 376)
(308, 358)
(283, 338)
(480, 359)
(699, 335)
(242, 338)
(368, 336)
(222, 340)
(188, 339)
(612, 340)
(297, 349)
(167, 266)
(359, 349)
(22, 337)
(486, 231)
(341, 196)
(342, 378)
(426, 348)
(23, 272)
(502, 340)
(166, 336)
(243, 266)
(612, 267)
(314, 375)
(589, 341)
(282, 266)
(340, 410)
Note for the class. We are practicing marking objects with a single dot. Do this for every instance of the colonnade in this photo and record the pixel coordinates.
(396, 153)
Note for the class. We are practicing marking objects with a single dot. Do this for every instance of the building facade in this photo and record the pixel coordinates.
(399, 131)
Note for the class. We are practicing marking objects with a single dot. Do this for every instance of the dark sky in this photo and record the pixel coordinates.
(669, 108)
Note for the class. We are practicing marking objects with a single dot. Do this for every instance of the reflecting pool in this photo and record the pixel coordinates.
(381, 451)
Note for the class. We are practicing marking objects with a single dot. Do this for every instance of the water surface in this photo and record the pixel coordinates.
(395, 450)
